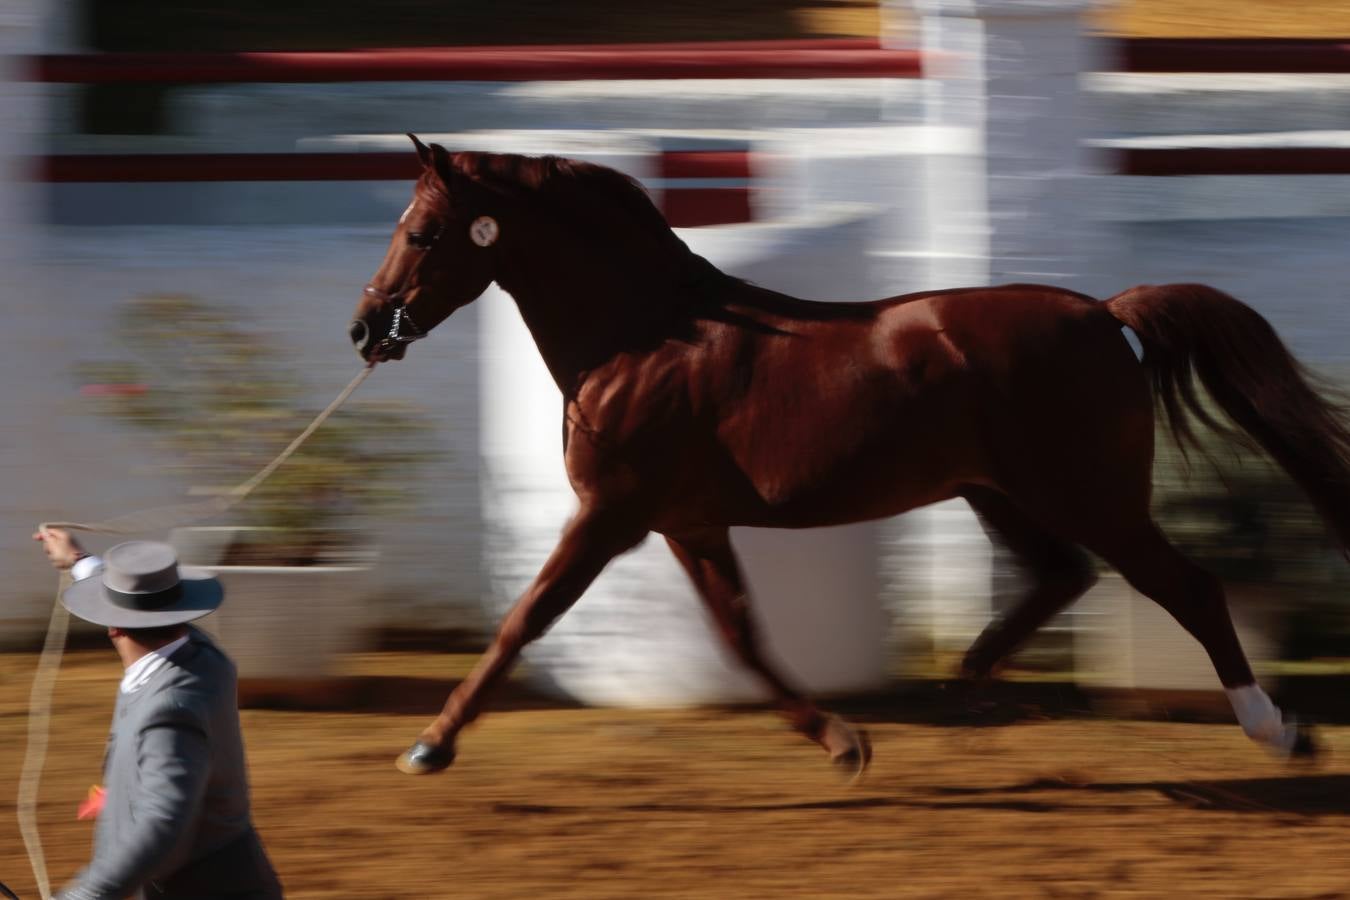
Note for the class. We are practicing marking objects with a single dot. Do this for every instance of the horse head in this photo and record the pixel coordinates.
(442, 256)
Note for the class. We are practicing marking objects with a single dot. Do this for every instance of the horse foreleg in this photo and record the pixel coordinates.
(707, 556)
(588, 543)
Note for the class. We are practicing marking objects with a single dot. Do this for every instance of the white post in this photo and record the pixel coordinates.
(1009, 71)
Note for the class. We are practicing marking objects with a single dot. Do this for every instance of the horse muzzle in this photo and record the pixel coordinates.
(374, 349)
(360, 335)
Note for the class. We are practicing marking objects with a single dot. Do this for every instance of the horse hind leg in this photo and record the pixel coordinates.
(1057, 573)
(1195, 598)
(710, 561)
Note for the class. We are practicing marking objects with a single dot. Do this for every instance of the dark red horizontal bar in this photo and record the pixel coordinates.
(825, 58)
(1294, 55)
(1234, 161)
(478, 64)
(394, 166)
(231, 167)
(401, 166)
(695, 207)
(705, 164)
(784, 44)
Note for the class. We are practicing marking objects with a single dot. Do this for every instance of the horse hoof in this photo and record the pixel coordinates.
(852, 761)
(425, 759)
(1305, 748)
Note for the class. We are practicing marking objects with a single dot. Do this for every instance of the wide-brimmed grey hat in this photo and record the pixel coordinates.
(142, 586)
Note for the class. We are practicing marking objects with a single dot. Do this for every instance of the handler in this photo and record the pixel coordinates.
(175, 822)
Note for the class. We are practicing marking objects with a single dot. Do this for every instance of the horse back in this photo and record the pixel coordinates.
(796, 420)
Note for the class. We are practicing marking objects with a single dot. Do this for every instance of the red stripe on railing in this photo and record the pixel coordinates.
(1233, 161)
(477, 64)
(690, 208)
(320, 166)
(705, 164)
(80, 168)
(1294, 55)
(661, 46)
(823, 58)
(230, 167)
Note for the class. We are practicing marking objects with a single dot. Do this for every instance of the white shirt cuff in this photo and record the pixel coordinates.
(84, 567)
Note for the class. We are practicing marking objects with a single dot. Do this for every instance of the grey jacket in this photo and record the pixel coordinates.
(175, 820)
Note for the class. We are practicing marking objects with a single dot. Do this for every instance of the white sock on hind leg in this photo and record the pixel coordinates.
(1261, 719)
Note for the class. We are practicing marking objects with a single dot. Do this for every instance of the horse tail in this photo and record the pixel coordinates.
(1299, 420)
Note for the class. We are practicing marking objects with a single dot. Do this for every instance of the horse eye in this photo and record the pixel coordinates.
(421, 240)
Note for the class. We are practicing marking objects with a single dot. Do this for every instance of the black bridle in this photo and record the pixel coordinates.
(402, 329)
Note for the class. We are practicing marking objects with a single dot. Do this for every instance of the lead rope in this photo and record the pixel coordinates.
(39, 719)
(49, 663)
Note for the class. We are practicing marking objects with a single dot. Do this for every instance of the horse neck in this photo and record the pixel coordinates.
(584, 310)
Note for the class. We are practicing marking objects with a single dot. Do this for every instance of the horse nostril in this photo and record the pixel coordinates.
(360, 334)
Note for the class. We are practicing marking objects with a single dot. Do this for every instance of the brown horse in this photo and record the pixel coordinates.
(693, 401)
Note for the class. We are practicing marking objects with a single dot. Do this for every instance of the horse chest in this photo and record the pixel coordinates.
(621, 432)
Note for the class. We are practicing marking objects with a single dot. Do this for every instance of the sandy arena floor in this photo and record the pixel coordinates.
(555, 802)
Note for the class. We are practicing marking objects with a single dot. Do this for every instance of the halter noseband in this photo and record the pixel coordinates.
(402, 329)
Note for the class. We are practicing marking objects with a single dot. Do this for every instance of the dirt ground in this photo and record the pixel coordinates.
(548, 801)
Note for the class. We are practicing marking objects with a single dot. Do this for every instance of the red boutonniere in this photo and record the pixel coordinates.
(93, 803)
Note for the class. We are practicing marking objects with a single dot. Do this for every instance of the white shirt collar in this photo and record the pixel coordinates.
(139, 672)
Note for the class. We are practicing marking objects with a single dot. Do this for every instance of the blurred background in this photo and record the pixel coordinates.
(195, 193)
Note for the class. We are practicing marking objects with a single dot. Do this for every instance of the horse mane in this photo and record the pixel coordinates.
(586, 194)
(590, 195)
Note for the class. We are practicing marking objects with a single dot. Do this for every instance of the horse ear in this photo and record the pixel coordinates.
(444, 166)
(422, 152)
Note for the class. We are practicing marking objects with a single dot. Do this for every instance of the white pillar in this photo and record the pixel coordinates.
(639, 636)
(1009, 72)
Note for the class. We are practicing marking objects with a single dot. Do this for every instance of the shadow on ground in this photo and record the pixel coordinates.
(928, 702)
(1297, 797)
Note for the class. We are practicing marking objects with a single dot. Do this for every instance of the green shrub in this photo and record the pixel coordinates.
(220, 400)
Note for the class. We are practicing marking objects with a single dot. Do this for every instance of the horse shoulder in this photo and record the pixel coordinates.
(626, 418)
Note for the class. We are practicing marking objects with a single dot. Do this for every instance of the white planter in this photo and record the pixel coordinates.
(280, 622)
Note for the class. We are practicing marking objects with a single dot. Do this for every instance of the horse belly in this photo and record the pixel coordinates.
(858, 461)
